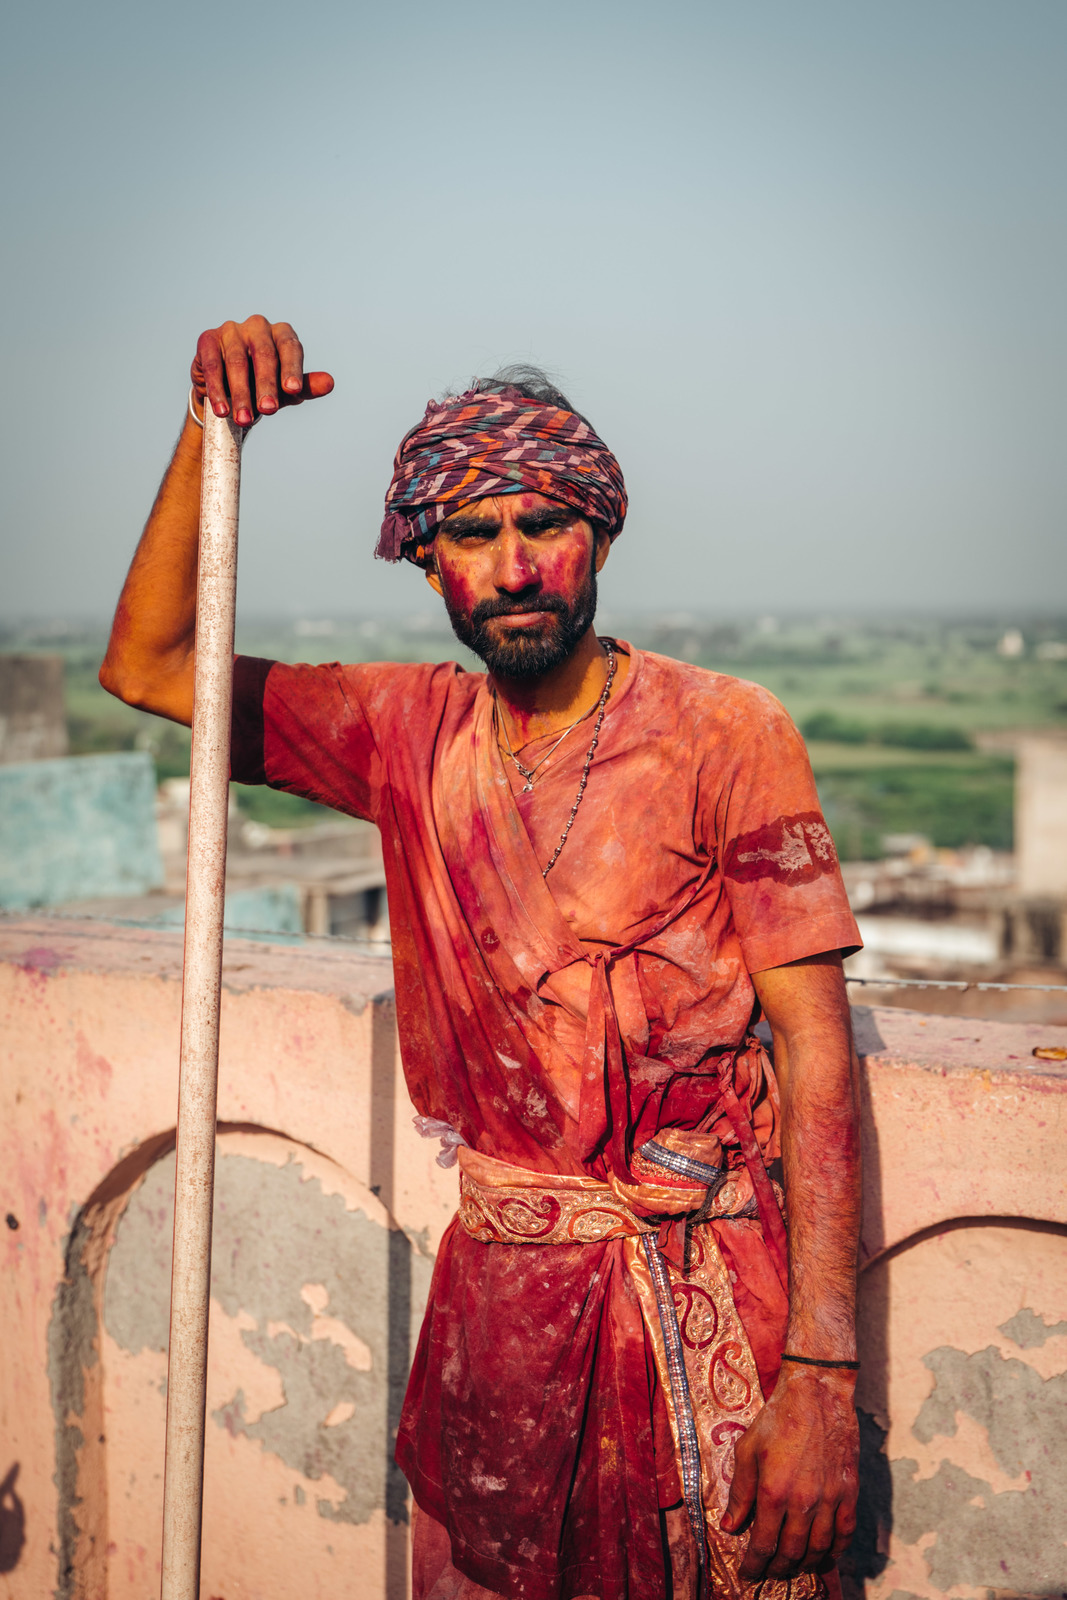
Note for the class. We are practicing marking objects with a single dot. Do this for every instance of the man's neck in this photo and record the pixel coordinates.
(533, 708)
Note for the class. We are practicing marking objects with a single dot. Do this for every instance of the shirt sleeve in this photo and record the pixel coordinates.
(779, 865)
(306, 730)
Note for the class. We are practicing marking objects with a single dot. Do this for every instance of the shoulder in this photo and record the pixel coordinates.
(404, 686)
(391, 694)
(714, 702)
(374, 684)
(409, 703)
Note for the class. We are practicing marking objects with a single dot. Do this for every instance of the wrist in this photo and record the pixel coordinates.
(802, 1359)
(825, 1333)
(195, 408)
(829, 1380)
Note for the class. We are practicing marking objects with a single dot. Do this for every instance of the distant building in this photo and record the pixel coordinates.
(1041, 816)
(33, 723)
(77, 829)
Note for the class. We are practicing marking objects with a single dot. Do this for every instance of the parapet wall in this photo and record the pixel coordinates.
(329, 1210)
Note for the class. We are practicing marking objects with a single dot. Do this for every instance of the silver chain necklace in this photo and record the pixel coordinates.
(528, 773)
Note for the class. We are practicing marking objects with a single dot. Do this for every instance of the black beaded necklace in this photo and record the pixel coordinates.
(528, 772)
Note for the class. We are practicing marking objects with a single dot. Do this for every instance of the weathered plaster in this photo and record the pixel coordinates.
(960, 1120)
(89, 1024)
(1029, 1331)
(966, 1494)
(76, 1382)
(1017, 1539)
(965, 1196)
(319, 1287)
(72, 1335)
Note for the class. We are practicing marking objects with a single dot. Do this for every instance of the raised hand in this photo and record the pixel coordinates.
(254, 368)
(247, 369)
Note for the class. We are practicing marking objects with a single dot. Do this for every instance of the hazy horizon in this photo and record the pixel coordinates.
(1040, 621)
(803, 267)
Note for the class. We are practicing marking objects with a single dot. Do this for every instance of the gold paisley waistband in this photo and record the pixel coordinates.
(545, 1215)
(503, 1204)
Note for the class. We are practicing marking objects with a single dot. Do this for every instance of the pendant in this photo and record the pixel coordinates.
(527, 787)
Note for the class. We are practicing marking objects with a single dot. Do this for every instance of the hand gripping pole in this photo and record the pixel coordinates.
(201, 988)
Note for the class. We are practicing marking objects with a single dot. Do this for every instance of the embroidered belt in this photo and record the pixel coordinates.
(547, 1212)
(545, 1216)
(705, 1364)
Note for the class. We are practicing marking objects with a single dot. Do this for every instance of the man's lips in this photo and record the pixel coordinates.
(520, 618)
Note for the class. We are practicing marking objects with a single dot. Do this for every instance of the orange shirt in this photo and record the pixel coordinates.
(700, 790)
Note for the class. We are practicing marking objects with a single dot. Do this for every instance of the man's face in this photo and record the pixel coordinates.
(517, 573)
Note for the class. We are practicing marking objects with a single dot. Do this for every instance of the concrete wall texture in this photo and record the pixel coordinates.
(329, 1210)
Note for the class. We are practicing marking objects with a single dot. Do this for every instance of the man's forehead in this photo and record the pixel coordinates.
(488, 508)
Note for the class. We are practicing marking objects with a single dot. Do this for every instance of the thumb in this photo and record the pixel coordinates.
(742, 1491)
(316, 384)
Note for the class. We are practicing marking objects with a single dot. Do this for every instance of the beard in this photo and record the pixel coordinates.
(526, 652)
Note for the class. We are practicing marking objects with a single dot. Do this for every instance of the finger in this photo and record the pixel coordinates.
(291, 357)
(742, 1490)
(763, 1539)
(235, 356)
(263, 352)
(793, 1541)
(844, 1526)
(821, 1539)
(209, 374)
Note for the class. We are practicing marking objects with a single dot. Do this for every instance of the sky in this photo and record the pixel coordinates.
(802, 265)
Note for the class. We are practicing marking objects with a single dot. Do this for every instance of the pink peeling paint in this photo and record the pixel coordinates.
(989, 1130)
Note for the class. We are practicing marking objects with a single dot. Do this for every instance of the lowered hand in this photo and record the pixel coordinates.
(798, 1465)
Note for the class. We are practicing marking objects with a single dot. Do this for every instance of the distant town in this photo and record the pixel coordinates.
(939, 747)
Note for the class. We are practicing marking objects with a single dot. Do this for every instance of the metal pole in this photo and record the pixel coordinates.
(201, 988)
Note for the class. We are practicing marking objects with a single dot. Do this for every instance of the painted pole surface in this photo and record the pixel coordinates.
(201, 989)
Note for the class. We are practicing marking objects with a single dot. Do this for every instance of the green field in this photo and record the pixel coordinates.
(910, 720)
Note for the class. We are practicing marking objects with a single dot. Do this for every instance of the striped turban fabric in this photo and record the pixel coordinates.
(473, 445)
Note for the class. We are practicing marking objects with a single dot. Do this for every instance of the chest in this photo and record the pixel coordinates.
(634, 834)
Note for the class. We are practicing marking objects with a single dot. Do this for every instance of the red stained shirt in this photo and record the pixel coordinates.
(557, 1025)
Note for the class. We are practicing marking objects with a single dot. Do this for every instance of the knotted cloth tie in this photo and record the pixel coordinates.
(473, 445)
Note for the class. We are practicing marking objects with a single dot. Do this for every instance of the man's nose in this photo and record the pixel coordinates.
(515, 568)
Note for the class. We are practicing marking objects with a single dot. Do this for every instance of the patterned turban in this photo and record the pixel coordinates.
(472, 445)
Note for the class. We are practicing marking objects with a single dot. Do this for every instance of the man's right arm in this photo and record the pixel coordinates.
(247, 369)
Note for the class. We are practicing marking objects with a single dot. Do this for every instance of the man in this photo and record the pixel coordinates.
(602, 866)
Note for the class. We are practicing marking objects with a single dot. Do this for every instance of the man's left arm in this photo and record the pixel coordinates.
(797, 1464)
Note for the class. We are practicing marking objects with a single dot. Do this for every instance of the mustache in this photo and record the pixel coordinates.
(553, 604)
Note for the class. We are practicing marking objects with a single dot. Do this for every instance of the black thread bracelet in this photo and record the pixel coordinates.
(814, 1361)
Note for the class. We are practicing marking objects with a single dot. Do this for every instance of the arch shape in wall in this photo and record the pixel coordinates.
(317, 1294)
(963, 1404)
